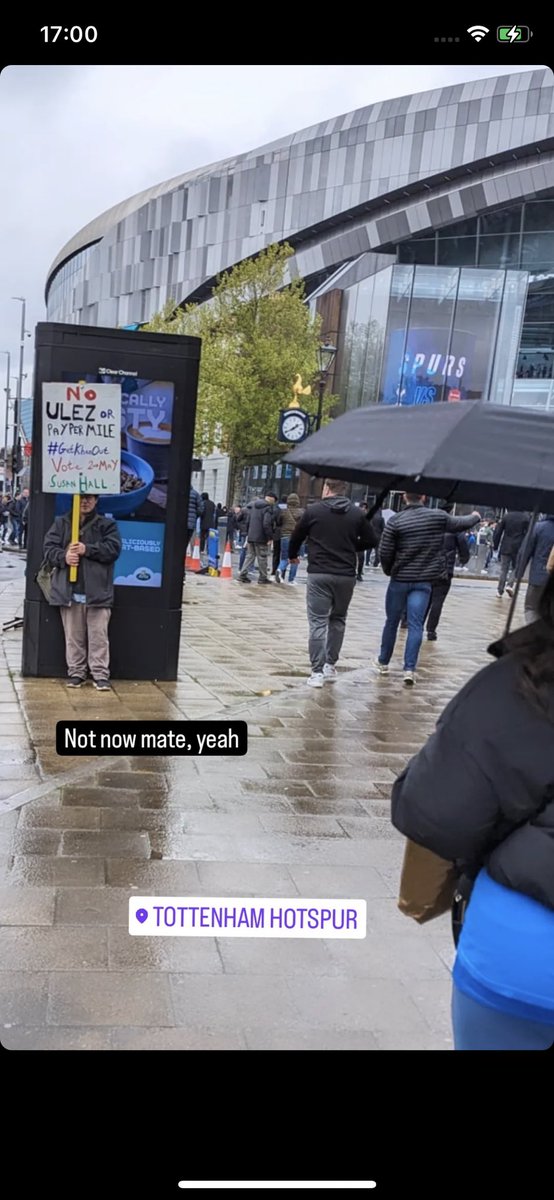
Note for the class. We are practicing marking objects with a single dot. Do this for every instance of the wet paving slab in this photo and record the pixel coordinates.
(305, 814)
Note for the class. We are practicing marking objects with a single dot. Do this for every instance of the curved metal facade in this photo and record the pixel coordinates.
(367, 180)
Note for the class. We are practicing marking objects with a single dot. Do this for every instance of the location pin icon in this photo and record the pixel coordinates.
(141, 914)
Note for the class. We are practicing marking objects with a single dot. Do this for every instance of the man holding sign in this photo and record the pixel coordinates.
(86, 602)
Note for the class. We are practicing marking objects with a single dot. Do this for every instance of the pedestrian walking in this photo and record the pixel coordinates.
(336, 532)
(485, 537)
(85, 606)
(232, 531)
(277, 515)
(537, 553)
(361, 558)
(24, 517)
(207, 520)
(455, 545)
(15, 509)
(412, 554)
(508, 539)
(480, 795)
(259, 537)
(290, 518)
(4, 518)
(378, 522)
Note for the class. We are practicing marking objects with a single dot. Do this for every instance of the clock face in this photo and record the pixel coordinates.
(294, 427)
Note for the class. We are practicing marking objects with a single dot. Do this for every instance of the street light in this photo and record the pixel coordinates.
(18, 398)
(326, 357)
(7, 419)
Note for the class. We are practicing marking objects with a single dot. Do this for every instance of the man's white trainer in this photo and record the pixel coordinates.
(316, 679)
(329, 673)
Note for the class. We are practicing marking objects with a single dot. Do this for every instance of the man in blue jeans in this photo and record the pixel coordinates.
(413, 555)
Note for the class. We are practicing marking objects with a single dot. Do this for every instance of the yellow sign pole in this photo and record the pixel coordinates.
(75, 517)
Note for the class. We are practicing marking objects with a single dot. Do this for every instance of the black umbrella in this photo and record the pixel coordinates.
(470, 452)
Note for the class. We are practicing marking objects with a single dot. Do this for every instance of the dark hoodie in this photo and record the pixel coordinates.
(336, 531)
(291, 515)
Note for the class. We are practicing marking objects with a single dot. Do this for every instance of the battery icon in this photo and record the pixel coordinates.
(513, 33)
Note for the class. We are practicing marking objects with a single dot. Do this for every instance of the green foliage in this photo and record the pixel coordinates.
(257, 335)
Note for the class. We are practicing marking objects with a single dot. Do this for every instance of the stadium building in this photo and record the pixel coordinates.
(423, 227)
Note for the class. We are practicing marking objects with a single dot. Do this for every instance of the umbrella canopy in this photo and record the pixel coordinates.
(472, 452)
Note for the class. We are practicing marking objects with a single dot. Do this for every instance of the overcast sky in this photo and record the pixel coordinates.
(76, 140)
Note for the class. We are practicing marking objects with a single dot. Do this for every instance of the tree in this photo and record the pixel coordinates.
(257, 335)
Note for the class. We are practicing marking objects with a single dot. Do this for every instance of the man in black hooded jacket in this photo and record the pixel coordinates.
(337, 531)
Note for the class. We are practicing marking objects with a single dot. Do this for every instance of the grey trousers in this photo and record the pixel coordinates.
(259, 551)
(327, 600)
(86, 640)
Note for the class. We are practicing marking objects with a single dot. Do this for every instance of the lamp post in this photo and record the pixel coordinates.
(7, 418)
(18, 398)
(326, 357)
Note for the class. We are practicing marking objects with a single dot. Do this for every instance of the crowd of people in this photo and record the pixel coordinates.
(479, 796)
(14, 519)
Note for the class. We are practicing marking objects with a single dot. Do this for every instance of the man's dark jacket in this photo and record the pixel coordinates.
(481, 791)
(208, 518)
(260, 527)
(336, 531)
(412, 546)
(455, 544)
(102, 539)
(510, 532)
(538, 550)
(196, 508)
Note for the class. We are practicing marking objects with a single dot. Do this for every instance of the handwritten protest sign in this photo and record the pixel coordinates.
(81, 438)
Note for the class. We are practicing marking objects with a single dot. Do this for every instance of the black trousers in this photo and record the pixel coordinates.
(276, 555)
(438, 597)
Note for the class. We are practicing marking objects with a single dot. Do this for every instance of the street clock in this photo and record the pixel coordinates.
(294, 425)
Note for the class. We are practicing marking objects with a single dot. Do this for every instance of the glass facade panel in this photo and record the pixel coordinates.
(501, 250)
(376, 335)
(474, 335)
(422, 251)
(457, 251)
(397, 330)
(509, 333)
(505, 220)
(537, 249)
(539, 215)
(447, 328)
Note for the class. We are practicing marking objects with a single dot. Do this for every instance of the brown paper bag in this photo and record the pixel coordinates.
(427, 884)
(550, 563)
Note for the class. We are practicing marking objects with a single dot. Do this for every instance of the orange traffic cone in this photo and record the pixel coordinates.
(190, 564)
(196, 564)
(227, 568)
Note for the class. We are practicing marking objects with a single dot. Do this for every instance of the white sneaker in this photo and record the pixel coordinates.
(510, 590)
(316, 679)
(484, 571)
(383, 668)
(293, 583)
(329, 673)
(409, 678)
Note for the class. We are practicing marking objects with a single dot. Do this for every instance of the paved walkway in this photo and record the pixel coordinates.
(305, 814)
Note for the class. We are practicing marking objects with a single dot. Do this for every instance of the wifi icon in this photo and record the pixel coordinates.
(478, 32)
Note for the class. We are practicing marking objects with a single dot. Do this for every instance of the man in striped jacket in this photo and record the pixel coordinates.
(413, 555)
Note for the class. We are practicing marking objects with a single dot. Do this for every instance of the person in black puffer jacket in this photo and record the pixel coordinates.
(480, 794)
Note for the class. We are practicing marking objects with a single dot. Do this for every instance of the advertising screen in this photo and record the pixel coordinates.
(140, 508)
(422, 372)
